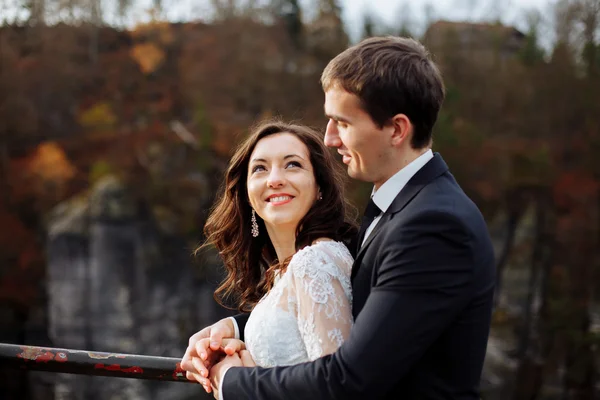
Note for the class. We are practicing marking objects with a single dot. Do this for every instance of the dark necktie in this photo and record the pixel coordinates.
(371, 212)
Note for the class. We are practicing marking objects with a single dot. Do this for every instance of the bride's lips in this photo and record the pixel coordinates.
(287, 199)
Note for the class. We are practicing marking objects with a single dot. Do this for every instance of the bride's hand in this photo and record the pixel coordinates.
(228, 347)
(201, 355)
(231, 346)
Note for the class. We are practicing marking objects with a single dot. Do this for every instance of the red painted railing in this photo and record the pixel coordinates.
(90, 363)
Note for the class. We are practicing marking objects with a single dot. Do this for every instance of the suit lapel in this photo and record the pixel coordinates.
(384, 219)
(434, 168)
(404, 197)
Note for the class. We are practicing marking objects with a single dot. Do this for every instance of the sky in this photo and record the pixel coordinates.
(392, 11)
(388, 12)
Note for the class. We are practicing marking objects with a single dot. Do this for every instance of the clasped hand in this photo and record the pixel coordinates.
(211, 352)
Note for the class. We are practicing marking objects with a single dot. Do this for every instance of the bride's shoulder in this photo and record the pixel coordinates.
(320, 253)
(326, 246)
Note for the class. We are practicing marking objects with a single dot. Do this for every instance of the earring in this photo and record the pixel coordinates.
(320, 196)
(254, 224)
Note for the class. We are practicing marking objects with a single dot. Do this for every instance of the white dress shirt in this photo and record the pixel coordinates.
(382, 198)
(386, 194)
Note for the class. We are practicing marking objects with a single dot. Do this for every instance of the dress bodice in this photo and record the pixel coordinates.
(308, 311)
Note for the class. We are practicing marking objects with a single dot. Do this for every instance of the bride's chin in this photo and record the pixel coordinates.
(281, 224)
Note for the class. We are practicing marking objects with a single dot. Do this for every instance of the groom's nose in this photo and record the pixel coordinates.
(332, 138)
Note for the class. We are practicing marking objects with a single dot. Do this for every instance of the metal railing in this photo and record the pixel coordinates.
(94, 363)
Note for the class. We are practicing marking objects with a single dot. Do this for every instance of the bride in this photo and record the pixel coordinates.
(281, 227)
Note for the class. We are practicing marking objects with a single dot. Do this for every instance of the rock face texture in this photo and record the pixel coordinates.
(117, 282)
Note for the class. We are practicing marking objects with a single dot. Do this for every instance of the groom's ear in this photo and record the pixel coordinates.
(402, 130)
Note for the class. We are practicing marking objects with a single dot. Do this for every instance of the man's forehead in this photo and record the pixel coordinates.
(336, 101)
(340, 95)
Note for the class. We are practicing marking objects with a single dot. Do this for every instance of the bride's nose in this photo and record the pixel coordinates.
(276, 178)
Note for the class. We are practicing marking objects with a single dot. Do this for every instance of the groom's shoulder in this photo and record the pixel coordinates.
(438, 204)
(445, 194)
(449, 201)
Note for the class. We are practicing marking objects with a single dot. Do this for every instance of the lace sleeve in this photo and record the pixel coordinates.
(323, 300)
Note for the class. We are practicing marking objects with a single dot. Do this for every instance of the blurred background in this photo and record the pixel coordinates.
(117, 119)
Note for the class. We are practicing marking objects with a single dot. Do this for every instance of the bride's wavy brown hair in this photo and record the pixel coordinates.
(250, 263)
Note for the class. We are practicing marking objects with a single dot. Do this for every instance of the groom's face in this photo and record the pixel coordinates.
(364, 147)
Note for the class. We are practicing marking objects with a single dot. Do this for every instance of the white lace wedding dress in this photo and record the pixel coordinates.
(308, 312)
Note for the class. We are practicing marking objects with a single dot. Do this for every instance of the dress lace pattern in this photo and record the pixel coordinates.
(308, 312)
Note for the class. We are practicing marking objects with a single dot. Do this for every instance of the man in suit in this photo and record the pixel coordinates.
(423, 277)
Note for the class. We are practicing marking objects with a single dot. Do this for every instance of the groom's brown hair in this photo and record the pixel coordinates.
(390, 76)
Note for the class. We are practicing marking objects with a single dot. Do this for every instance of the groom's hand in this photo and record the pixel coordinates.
(241, 358)
(217, 372)
(228, 347)
(247, 360)
(205, 346)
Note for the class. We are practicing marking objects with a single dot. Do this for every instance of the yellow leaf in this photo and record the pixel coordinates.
(100, 114)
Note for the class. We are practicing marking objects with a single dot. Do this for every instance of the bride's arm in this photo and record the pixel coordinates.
(323, 302)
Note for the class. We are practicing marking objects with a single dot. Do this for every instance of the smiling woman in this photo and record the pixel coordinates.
(282, 229)
(285, 185)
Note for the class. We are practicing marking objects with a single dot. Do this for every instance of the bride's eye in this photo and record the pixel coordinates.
(258, 168)
(294, 164)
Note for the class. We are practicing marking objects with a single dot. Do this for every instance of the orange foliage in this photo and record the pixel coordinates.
(50, 163)
(43, 175)
(148, 56)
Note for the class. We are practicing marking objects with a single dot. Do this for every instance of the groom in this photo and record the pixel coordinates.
(423, 278)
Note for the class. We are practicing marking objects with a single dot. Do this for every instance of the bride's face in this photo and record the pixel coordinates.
(281, 182)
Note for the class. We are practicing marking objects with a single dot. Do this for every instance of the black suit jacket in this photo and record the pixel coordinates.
(423, 286)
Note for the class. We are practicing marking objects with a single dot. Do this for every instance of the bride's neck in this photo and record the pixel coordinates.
(284, 241)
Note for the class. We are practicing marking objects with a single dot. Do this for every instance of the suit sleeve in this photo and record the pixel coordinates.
(241, 320)
(423, 281)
